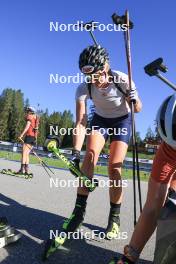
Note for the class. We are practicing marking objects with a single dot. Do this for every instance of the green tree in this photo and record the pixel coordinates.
(12, 119)
(6, 100)
(150, 135)
(16, 116)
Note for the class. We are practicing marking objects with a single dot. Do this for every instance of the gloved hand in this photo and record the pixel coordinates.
(133, 95)
(75, 160)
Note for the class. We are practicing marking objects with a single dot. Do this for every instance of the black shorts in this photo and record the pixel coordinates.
(30, 140)
(118, 129)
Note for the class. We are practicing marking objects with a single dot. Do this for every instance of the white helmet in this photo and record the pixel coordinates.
(166, 120)
(30, 109)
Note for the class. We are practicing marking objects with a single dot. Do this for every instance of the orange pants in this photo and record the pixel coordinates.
(164, 164)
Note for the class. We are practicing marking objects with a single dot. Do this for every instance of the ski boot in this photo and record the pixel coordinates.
(68, 228)
(113, 228)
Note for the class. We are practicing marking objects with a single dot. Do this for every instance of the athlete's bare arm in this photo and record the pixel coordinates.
(138, 106)
(81, 121)
(25, 129)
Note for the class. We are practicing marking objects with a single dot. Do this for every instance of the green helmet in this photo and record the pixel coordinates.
(93, 59)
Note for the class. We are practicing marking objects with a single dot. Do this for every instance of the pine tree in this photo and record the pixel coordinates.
(6, 100)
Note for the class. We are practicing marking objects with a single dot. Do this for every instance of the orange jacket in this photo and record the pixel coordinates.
(34, 123)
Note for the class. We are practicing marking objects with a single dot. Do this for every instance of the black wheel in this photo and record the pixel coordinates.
(51, 143)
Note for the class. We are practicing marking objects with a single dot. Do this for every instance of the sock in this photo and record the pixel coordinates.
(22, 167)
(26, 167)
(71, 224)
(81, 201)
(114, 213)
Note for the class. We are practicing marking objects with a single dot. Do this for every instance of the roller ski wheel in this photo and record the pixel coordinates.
(51, 143)
(51, 246)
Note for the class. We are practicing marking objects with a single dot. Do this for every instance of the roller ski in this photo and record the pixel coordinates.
(52, 145)
(19, 174)
(8, 234)
(69, 226)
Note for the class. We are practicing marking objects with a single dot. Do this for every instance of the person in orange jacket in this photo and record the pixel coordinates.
(29, 137)
(161, 186)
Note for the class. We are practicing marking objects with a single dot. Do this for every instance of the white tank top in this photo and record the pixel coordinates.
(109, 102)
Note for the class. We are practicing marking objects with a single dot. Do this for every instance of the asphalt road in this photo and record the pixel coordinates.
(34, 208)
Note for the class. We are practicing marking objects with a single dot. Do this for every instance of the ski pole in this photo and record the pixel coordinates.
(153, 68)
(88, 26)
(128, 55)
(44, 165)
(125, 20)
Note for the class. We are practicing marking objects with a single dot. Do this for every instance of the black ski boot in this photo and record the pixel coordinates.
(69, 226)
(113, 228)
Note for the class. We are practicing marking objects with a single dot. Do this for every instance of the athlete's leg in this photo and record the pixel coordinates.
(157, 193)
(118, 151)
(23, 159)
(95, 143)
(163, 170)
(28, 150)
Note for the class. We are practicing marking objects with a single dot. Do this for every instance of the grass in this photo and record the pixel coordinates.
(127, 173)
(141, 155)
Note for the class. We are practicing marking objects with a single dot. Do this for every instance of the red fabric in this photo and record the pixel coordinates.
(33, 124)
(164, 164)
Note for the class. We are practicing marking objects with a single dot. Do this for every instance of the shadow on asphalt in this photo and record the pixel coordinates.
(36, 225)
